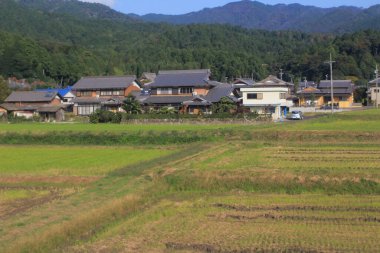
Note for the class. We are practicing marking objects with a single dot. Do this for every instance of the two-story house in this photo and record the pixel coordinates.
(172, 88)
(271, 96)
(321, 95)
(188, 91)
(105, 92)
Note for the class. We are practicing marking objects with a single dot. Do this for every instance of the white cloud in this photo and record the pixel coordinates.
(110, 3)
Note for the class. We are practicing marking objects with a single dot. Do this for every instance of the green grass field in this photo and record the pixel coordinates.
(311, 186)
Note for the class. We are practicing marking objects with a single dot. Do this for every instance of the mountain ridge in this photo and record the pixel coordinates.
(256, 15)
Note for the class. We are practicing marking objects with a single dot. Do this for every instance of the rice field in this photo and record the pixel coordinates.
(286, 187)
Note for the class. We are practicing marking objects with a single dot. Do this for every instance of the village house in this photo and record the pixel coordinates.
(106, 93)
(321, 95)
(188, 91)
(271, 96)
(374, 92)
(30, 103)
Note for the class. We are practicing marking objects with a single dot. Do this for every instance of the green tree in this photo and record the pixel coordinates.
(225, 105)
(4, 90)
(132, 105)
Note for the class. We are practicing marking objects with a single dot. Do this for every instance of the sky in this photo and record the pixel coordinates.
(184, 6)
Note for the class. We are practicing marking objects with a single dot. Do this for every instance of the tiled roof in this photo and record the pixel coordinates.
(31, 96)
(38, 108)
(104, 82)
(182, 78)
(271, 81)
(345, 84)
(245, 81)
(220, 91)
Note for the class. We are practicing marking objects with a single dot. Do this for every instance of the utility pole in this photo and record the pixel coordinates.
(377, 87)
(281, 74)
(331, 82)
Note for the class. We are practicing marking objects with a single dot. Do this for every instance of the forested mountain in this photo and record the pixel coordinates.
(41, 44)
(75, 8)
(256, 15)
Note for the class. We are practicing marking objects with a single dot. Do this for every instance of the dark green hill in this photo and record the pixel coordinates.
(41, 44)
(256, 15)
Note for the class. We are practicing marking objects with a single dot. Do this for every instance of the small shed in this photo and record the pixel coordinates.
(52, 113)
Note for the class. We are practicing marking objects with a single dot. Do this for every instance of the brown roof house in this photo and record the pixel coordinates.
(106, 93)
(189, 91)
(321, 95)
(27, 104)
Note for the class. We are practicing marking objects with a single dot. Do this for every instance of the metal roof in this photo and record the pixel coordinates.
(104, 83)
(182, 78)
(31, 96)
(61, 92)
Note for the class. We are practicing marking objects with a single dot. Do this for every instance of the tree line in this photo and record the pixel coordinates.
(63, 48)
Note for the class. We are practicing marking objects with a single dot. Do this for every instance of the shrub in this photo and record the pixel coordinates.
(102, 116)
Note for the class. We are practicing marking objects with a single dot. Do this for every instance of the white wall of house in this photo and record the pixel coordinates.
(266, 100)
(375, 92)
(265, 96)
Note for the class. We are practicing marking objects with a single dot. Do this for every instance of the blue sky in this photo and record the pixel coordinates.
(185, 6)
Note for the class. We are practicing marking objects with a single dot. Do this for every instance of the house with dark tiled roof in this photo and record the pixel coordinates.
(189, 91)
(30, 103)
(104, 92)
(321, 95)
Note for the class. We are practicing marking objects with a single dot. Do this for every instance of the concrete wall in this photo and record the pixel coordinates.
(271, 96)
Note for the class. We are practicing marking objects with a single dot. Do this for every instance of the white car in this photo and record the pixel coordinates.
(296, 115)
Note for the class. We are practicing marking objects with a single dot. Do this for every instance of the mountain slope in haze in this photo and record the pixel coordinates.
(75, 8)
(256, 15)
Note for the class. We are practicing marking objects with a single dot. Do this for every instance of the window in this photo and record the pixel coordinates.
(164, 91)
(84, 94)
(106, 93)
(257, 96)
(87, 109)
(186, 90)
(118, 93)
(282, 95)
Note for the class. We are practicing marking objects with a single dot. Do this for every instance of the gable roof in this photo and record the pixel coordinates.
(104, 82)
(374, 81)
(244, 81)
(149, 76)
(31, 96)
(343, 84)
(340, 86)
(182, 78)
(272, 81)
